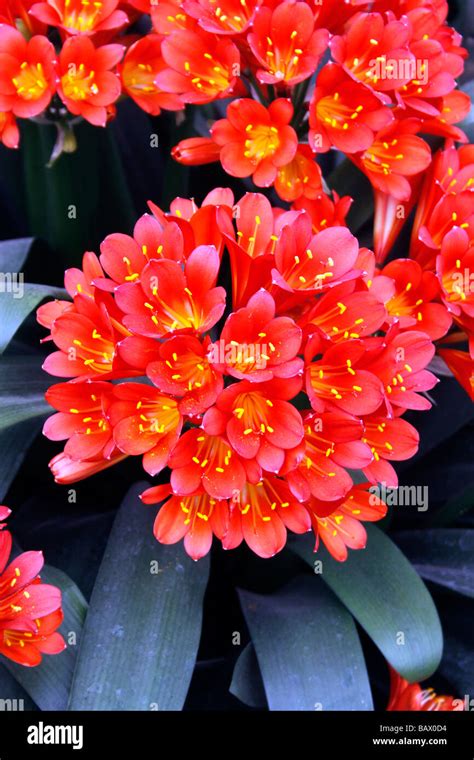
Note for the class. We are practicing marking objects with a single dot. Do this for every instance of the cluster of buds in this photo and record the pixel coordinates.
(260, 404)
(30, 611)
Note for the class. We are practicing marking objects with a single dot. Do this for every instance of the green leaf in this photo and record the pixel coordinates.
(307, 648)
(14, 444)
(144, 623)
(14, 253)
(71, 204)
(247, 684)
(13, 696)
(445, 557)
(49, 683)
(455, 508)
(16, 305)
(22, 388)
(388, 598)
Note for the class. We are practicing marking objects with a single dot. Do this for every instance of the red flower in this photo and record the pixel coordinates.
(30, 611)
(300, 177)
(316, 468)
(337, 381)
(80, 16)
(455, 270)
(195, 151)
(66, 470)
(255, 140)
(205, 461)
(325, 211)
(9, 132)
(202, 67)
(145, 421)
(195, 517)
(124, 258)
(400, 364)
(142, 64)
(27, 76)
(261, 513)
(344, 312)
(81, 418)
(395, 154)
(285, 43)
(182, 369)
(86, 83)
(258, 420)
(462, 367)
(229, 17)
(389, 440)
(256, 345)
(375, 51)
(344, 113)
(411, 305)
(167, 299)
(339, 526)
(410, 696)
(305, 263)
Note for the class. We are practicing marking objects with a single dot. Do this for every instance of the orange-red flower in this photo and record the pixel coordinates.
(339, 525)
(167, 299)
(258, 420)
(411, 696)
(301, 177)
(30, 611)
(81, 16)
(317, 467)
(412, 303)
(344, 113)
(9, 132)
(395, 154)
(195, 517)
(145, 421)
(228, 17)
(87, 86)
(195, 151)
(285, 43)
(142, 64)
(256, 140)
(27, 73)
(257, 346)
(376, 52)
(202, 67)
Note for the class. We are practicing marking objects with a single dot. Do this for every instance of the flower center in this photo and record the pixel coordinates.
(30, 82)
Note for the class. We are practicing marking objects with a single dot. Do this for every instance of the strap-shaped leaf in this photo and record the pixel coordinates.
(247, 684)
(445, 557)
(49, 683)
(144, 623)
(307, 648)
(387, 596)
(14, 445)
(17, 301)
(22, 388)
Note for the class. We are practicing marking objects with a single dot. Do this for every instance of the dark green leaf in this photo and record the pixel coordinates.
(387, 596)
(14, 444)
(144, 623)
(445, 557)
(48, 684)
(247, 684)
(22, 388)
(308, 648)
(14, 309)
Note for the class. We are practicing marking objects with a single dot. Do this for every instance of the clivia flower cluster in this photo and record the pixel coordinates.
(30, 611)
(260, 401)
